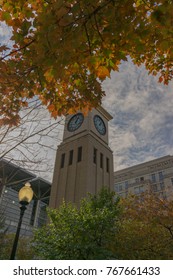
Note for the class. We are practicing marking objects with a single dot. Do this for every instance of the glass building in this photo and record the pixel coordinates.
(12, 178)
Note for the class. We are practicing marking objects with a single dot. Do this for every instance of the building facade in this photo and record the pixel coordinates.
(155, 176)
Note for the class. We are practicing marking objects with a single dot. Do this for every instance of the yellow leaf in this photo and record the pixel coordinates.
(102, 72)
(49, 75)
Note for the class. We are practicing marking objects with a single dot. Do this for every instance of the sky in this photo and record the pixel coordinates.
(142, 111)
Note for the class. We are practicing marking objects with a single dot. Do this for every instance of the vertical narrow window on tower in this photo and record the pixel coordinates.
(107, 165)
(79, 155)
(95, 155)
(101, 160)
(62, 160)
(71, 157)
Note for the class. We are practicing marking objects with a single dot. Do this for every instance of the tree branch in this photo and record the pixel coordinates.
(17, 50)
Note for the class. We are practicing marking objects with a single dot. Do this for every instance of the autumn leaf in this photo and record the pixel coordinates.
(67, 46)
(102, 72)
(51, 107)
(160, 79)
(54, 113)
(49, 75)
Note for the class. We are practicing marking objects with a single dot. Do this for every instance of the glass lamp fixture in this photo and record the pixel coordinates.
(25, 194)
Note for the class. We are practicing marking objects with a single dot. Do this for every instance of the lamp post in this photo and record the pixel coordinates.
(25, 196)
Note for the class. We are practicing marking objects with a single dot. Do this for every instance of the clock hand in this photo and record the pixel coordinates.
(76, 121)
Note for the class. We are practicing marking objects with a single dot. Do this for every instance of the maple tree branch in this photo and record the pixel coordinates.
(88, 39)
(17, 50)
(85, 17)
(97, 27)
(100, 7)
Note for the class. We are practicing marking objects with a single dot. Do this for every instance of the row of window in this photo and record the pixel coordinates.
(158, 187)
(79, 158)
(119, 187)
(141, 189)
(101, 160)
(70, 159)
(154, 178)
(155, 188)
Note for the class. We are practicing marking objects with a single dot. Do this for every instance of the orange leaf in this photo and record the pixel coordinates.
(51, 107)
(160, 79)
(102, 72)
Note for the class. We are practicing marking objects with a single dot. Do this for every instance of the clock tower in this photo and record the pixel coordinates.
(84, 161)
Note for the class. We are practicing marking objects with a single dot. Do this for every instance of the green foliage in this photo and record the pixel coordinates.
(24, 249)
(80, 233)
(103, 227)
(146, 229)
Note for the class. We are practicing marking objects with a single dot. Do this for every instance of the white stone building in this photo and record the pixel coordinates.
(155, 175)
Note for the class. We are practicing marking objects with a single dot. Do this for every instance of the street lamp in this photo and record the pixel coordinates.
(25, 196)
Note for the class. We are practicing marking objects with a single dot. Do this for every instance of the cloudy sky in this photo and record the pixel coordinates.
(142, 110)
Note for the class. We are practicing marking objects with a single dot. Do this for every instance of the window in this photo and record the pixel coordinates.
(71, 157)
(139, 189)
(153, 177)
(107, 165)
(162, 195)
(126, 185)
(62, 160)
(154, 188)
(42, 218)
(162, 186)
(101, 160)
(118, 188)
(137, 180)
(95, 156)
(160, 176)
(136, 190)
(79, 155)
(33, 213)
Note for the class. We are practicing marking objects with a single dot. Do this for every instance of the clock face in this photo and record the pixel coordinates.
(99, 125)
(75, 122)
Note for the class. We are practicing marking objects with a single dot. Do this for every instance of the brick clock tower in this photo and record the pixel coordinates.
(84, 161)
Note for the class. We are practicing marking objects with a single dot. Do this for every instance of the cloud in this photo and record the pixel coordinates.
(5, 34)
(142, 112)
